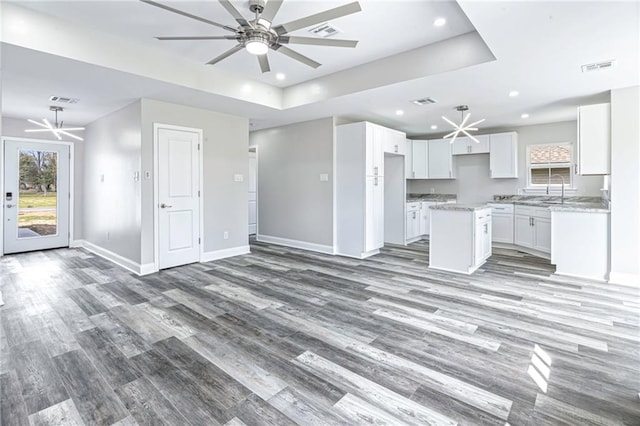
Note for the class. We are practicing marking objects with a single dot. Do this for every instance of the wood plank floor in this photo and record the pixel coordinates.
(283, 336)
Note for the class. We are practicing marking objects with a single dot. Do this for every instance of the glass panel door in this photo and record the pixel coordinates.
(38, 197)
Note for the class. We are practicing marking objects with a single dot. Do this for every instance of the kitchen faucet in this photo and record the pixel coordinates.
(549, 183)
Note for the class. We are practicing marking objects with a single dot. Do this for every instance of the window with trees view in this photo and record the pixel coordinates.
(549, 164)
(38, 207)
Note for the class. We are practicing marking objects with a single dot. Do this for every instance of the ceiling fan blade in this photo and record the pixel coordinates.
(225, 54)
(188, 15)
(474, 123)
(471, 136)
(37, 123)
(71, 128)
(318, 18)
(70, 135)
(37, 130)
(227, 37)
(295, 55)
(264, 63)
(234, 12)
(451, 134)
(270, 11)
(450, 122)
(317, 41)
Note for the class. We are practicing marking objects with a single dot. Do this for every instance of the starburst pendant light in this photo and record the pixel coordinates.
(56, 128)
(462, 127)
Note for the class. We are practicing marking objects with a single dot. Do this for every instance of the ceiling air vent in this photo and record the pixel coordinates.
(324, 30)
(64, 100)
(598, 66)
(424, 101)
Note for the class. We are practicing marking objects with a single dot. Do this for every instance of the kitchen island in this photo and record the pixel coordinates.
(460, 237)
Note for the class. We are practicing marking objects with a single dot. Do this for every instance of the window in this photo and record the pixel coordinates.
(549, 164)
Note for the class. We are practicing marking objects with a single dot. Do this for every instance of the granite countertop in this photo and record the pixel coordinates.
(460, 207)
(574, 204)
(411, 198)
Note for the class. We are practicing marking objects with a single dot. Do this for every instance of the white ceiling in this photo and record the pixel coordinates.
(538, 49)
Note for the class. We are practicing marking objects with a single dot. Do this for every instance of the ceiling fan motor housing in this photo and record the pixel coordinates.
(256, 6)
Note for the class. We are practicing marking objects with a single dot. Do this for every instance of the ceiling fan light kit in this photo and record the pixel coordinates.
(56, 128)
(259, 35)
(462, 127)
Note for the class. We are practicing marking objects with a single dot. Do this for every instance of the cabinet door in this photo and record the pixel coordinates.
(480, 147)
(503, 155)
(542, 230)
(412, 225)
(408, 160)
(440, 159)
(379, 134)
(502, 231)
(478, 243)
(394, 142)
(460, 146)
(420, 160)
(378, 206)
(523, 231)
(425, 224)
(487, 233)
(594, 140)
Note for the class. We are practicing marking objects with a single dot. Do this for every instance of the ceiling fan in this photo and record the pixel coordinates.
(55, 128)
(259, 35)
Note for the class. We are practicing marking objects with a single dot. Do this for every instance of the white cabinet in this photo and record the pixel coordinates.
(413, 221)
(502, 223)
(503, 155)
(440, 160)
(425, 216)
(360, 189)
(465, 145)
(533, 228)
(460, 240)
(594, 140)
(419, 160)
(408, 159)
(374, 213)
(394, 141)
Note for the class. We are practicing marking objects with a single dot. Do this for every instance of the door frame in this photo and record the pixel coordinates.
(71, 146)
(156, 192)
(256, 148)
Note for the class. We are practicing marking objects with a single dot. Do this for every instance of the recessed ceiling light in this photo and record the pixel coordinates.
(399, 112)
(514, 93)
(439, 22)
(524, 116)
(433, 127)
(280, 76)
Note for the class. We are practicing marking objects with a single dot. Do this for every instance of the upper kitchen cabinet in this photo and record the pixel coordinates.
(394, 141)
(503, 155)
(594, 140)
(420, 160)
(408, 159)
(465, 145)
(373, 137)
(440, 159)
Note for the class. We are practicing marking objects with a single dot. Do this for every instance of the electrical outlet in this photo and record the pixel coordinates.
(238, 178)
(324, 177)
(225, 235)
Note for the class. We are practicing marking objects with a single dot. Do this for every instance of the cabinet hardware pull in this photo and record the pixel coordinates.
(375, 170)
(164, 206)
(395, 148)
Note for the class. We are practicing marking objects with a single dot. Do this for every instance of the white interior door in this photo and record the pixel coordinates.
(178, 197)
(36, 196)
(253, 198)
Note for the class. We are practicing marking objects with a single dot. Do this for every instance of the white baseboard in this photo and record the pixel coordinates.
(127, 264)
(623, 278)
(148, 268)
(224, 253)
(363, 255)
(320, 248)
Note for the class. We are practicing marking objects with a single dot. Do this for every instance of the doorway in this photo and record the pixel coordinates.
(178, 195)
(253, 191)
(36, 195)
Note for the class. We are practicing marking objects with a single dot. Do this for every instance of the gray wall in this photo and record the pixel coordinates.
(474, 184)
(225, 148)
(292, 201)
(16, 128)
(111, 195)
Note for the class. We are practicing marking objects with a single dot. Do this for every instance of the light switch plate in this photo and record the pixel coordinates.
(324, 177)
(238, 178)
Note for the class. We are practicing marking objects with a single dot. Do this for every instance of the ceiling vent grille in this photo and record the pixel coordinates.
(424, 101)
(324, 30)
(598, 66)
(64, 100)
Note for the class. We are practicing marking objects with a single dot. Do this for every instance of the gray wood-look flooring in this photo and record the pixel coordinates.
(283, 336)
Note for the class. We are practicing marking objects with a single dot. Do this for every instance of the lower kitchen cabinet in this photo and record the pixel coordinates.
(413, 221)
(532, 226)
(502, 223)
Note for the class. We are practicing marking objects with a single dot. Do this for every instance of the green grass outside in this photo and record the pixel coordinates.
(37, 199)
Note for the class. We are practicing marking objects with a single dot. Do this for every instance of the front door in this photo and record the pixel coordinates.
(36, 196)
(178, 197)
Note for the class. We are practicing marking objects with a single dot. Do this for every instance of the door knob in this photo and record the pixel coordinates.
(9, 205)
(164, 206)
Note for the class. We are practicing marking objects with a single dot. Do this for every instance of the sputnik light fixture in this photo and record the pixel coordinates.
(462, 127)
(56, 128)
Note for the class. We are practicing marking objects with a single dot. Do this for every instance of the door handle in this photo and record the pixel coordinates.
(165, 206)
(9, 205)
